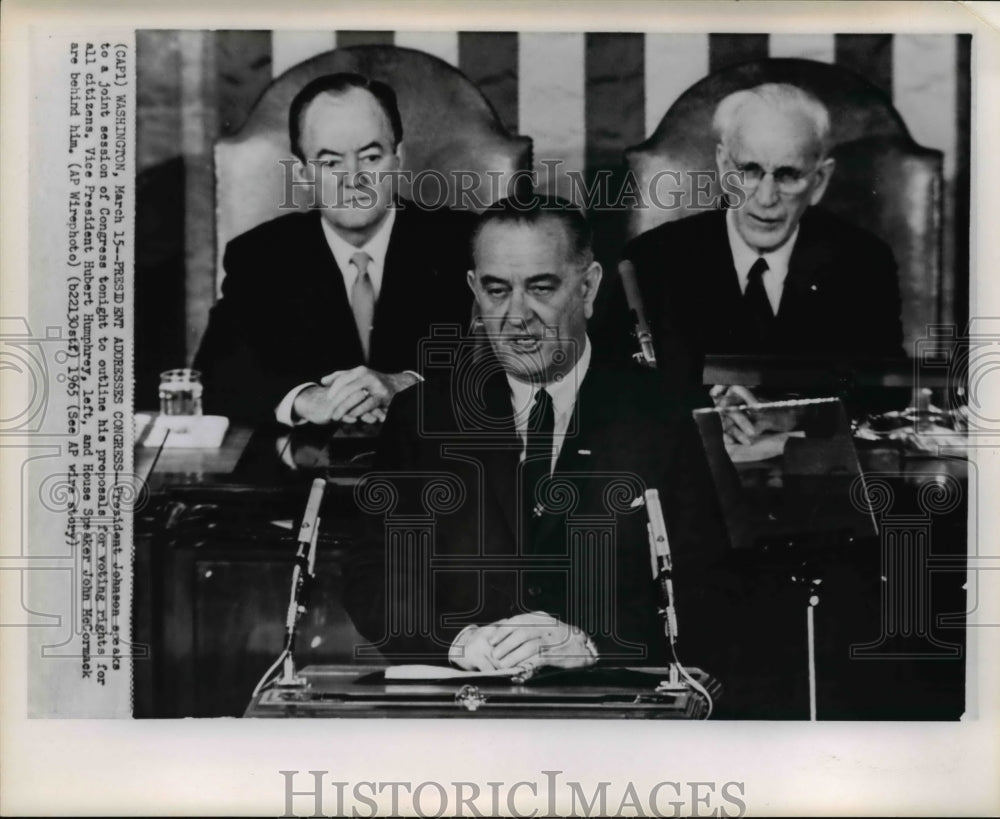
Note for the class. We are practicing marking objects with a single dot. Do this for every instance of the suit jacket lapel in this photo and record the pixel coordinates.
(404, 284)
(580, 452)
(722, 283)
(807, 268)
(501, 456)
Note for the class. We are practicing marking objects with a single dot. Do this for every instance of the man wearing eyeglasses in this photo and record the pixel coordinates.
(771, 274)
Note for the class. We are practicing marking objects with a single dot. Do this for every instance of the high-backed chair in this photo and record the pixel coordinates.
(884, 181)
(448, 127)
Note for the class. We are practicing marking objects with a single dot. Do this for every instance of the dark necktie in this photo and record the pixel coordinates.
(756, 301)
(363, 300)
(537, 460)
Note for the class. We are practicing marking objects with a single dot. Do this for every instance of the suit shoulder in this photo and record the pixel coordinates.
(442, 233)
(690, 227)
(437, 218)
(843, 233)
(285, 228)
(642, 394)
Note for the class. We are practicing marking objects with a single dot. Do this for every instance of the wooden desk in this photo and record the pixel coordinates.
(213, 557)
(162, 466)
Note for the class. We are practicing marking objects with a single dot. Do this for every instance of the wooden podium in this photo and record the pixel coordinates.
(597, 693)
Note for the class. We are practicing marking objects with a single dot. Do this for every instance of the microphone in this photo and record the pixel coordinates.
(305, 557)
(310, 522)
(302, 575)
(662, 563)
(646, 354)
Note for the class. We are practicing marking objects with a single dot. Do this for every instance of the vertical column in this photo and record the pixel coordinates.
(490, 60)
(906, 601)
(408, 581)
(818, 47)
(732, 49)
(441, 44)
(674, 62)
(289, 48)
(593, 585)
(551, 106)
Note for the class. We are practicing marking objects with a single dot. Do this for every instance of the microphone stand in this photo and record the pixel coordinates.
(662, 566)
(646, 354)
(811, 582)
(678, 678)
(303, 575)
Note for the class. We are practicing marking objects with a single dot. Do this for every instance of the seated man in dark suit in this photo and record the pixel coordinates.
(771, 274)
(322, 311)
(528, 462)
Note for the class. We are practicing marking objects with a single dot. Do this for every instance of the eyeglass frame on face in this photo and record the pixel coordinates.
(801, 183)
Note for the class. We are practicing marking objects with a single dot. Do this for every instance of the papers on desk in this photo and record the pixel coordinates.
(180, 431)
(766, 446)
(442, 672)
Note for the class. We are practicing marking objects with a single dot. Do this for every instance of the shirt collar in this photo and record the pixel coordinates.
(744, 256)
(377, 247)
(563, 392)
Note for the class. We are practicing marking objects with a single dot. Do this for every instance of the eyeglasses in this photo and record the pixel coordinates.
(789, 181)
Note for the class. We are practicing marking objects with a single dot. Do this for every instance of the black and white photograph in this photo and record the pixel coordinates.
(459, 383)
(591, 286)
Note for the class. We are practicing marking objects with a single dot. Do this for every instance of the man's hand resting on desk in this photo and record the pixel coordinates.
(737, 428)
(742, 427)
(528, 641)
(348, 396)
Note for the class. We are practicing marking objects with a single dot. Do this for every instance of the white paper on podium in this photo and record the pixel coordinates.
(441, 672)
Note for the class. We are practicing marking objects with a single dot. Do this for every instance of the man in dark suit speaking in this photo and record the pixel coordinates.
(321, 311)
(771, 274)
(524, 465)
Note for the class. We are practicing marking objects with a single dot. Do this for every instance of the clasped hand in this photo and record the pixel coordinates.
(349, 396)
(526, 641)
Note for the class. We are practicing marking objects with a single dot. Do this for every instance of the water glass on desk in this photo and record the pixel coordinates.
(180, 392)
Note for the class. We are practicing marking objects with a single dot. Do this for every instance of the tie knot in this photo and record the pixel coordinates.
(542, 399)
(757, 269)
(360, 261)
(539, 420)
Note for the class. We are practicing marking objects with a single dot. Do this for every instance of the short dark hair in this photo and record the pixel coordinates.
(533, 208)
(340, 84)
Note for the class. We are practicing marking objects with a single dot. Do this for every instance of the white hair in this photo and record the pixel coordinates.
(778, 97)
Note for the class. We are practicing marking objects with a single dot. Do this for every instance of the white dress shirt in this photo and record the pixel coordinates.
(342, 251)
(563, 394)
(376, 248)
(777, 262)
